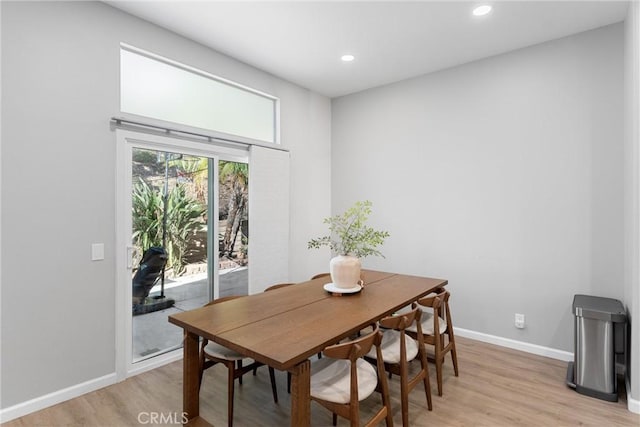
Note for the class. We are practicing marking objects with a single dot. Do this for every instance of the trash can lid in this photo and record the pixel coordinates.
(607, 309)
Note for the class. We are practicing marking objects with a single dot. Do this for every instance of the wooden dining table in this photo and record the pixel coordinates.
(284, 327)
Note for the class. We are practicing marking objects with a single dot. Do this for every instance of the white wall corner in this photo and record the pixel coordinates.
(632, 194)
(633, 405)
(0, 205)
(33, 405)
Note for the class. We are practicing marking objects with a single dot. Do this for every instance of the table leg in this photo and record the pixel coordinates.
(300, 389)
(191, 376)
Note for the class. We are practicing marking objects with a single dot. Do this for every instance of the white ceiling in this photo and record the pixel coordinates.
(302, 41)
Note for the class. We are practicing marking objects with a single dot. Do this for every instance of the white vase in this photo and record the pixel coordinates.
(345, 271)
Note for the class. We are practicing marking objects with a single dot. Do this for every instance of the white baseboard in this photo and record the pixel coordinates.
(42, 402)
(59, 396)
(24, 408)
(633, 405)
(516, 345)
(156, 362)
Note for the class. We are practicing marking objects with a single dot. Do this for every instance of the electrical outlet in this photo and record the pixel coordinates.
(519, 321)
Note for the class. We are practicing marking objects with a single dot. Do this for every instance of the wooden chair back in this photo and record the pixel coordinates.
(278, 286)
(319, 275)
(222, 299)
(440, 305)
(400, 322)
(352, 351)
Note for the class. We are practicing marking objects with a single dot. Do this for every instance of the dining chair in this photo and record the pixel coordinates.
(212, 353)
(437, 330)
(278, 286)
(342, 378)
(319, 275)
(398, 349)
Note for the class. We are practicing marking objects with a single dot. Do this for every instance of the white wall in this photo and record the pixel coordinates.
(60, 88)
(632, 194)
(503, 175)
(1, 174)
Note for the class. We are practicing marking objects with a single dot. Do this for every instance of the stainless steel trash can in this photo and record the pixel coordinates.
(599, 334)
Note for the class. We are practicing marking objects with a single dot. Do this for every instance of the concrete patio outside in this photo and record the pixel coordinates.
(152, 332)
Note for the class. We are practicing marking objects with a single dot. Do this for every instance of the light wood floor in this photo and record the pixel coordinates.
(496, 387)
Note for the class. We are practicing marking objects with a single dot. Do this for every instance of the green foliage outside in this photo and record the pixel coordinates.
(197, 168)
(184, 217)
(238, 176)
(349, 233)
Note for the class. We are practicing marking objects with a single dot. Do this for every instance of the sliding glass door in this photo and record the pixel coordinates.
(184, 230)
(170, 241)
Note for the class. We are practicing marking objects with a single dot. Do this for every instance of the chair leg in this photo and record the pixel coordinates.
(454, 355)
(426, 380)
(439, 373)
(335, 419)
(240, 367)
(200, 376)
(274, 390)
(404, 393)
(383, 388)
(289, 382)
(230, 392)
(386, 400)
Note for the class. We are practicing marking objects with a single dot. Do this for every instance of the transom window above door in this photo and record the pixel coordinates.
(158, 88)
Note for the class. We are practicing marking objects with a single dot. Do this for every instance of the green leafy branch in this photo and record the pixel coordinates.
(185, 216)
(349, 233)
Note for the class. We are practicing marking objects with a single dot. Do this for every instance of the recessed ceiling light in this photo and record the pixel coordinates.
(347, 58)
(482, 10)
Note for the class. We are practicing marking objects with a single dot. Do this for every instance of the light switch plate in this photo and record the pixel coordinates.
(97, 251)
(519, 323)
